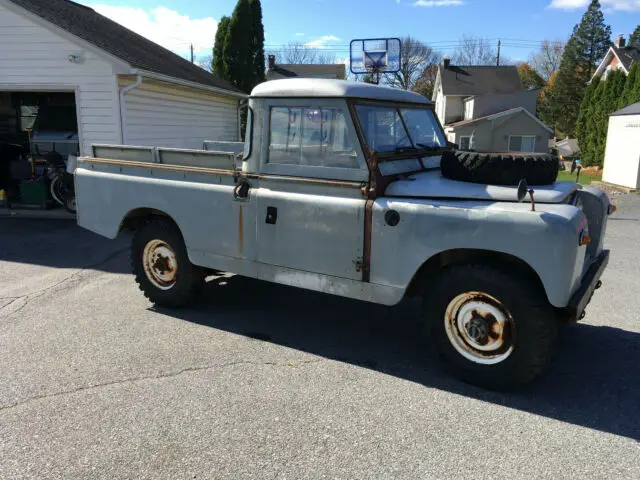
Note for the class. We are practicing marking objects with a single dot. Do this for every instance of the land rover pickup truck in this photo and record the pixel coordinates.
(342, 188)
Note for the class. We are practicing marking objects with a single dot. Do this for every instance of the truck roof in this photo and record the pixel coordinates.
(323, 88)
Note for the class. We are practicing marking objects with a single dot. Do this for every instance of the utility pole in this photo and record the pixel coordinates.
(498, 59)
(191, 46)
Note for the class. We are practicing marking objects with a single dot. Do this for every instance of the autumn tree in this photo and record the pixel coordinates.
(547, 60)
(416, 58)
(529, 77)
(588, 44)
(427, 81)
(296, 53)
(475, 51)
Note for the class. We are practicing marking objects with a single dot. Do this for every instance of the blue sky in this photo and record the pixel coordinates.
(333, 23)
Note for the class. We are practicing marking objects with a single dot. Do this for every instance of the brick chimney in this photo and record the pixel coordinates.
(620, 42)
(446, 61)
(272, 62)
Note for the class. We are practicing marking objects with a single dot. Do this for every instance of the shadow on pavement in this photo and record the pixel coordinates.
(59, 243)
(593, 381)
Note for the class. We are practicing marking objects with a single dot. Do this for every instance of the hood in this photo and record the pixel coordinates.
(432, 184)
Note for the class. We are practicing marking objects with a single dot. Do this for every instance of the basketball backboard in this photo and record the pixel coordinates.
(375, 55)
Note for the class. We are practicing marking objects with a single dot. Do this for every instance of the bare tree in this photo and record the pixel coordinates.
(475, 51)
(547, 59)
(417, 57)
(297, 53)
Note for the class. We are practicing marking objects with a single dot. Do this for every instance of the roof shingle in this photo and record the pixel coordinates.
(113, 38)
(479, 80)
(627, 55)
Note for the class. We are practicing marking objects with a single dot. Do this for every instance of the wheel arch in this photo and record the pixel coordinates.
(138, 216)
(429, 270)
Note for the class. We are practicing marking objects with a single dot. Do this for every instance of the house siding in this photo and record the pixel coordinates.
(160, 114)
(490, 104)
(34, 58)
(493, 135)
(454, 109)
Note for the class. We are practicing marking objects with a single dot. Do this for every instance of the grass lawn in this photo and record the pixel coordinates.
(571, 177)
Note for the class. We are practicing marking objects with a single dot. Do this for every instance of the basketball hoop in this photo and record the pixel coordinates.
(375, 56)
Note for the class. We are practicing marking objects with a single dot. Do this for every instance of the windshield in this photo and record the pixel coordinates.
(396, 129)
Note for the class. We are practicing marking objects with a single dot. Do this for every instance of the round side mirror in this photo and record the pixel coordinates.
(523, 188)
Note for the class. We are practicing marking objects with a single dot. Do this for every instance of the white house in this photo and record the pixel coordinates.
(126, 89)
(622, 156)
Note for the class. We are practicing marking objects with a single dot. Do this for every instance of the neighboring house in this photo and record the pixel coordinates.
(619, 57)
(622, 156)
(486, 108)
(279, 71)
(567, 147)
(125, 89)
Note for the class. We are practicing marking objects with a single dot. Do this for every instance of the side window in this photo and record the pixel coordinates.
(316, 137)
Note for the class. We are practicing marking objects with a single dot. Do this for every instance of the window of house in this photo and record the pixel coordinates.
(310, 136)
(468, 110)
(522, 143)
(465, 143)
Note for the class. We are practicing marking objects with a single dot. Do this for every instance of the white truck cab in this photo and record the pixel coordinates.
(339, 189)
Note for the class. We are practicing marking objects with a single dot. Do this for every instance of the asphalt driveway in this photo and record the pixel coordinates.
(267, 381)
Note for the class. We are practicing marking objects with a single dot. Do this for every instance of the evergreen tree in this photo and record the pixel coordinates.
(635, 37)
(588, 44)
(631, 93)
(218, 64)
(614, 85)
(582, 124)
(588, 154)
(243, 51)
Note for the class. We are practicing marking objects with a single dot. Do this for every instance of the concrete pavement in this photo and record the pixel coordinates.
(266, 381)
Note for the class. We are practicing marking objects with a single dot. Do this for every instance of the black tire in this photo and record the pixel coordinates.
(70, 203)
(187, 279)
(529, 333)
(500, 168)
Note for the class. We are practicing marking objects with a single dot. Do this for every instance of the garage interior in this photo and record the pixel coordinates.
(33, 125)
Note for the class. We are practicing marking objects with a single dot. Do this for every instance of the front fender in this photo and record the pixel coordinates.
(546, 240)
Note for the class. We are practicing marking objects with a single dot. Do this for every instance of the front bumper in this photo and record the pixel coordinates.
(590, 282)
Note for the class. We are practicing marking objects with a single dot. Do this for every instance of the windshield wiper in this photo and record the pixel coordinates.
(428, 147)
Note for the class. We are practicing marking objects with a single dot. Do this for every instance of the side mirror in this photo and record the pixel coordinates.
(523, 188)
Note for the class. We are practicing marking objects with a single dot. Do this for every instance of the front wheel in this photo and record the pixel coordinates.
(161, 266)
(493, 328)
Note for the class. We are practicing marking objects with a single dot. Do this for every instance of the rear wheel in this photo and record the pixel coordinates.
(161, 266)
(493, 329)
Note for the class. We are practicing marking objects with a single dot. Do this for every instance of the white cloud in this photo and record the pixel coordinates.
(621, 5)
(299, 34)
(164, 26)
(437, 3)
(322, 41)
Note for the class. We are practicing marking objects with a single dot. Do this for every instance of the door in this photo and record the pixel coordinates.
(310, 207)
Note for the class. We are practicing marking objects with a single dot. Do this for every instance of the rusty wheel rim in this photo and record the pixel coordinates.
(160, 264)
(480, 328)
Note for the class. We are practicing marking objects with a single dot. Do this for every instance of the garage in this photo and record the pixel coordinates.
(622, 155)
(71, 78)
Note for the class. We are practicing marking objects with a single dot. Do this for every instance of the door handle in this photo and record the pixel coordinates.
(272, 215)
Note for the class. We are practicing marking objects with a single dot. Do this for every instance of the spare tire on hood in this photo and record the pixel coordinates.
(500, 168)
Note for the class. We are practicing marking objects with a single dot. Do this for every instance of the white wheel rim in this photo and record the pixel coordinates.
(480, 328)
(160, 264)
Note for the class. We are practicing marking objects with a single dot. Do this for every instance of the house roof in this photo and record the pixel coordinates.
(324, 88)
(307, 70)
(479, 80)
(633, 109)
(495, 116)
(113, 38)
(627, 55)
